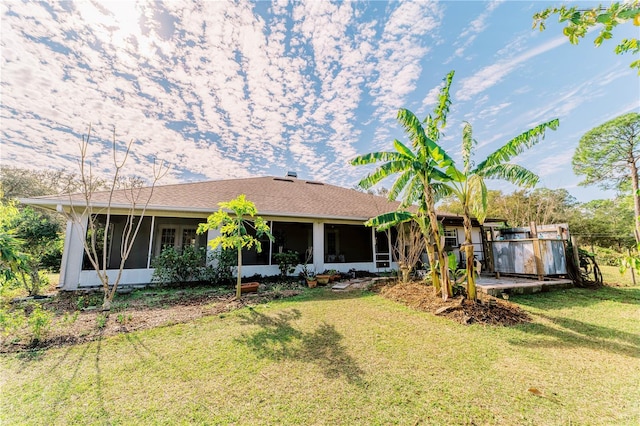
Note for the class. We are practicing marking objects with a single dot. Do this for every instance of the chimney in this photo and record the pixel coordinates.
(292, 174)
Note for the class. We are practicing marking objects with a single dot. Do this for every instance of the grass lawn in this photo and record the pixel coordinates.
(611, 275)
(354, 358)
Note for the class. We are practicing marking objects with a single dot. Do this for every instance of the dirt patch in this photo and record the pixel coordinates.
(70, 326)
(489, 311)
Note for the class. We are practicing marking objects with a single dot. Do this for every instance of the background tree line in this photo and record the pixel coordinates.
(31, 240)
(605, 223)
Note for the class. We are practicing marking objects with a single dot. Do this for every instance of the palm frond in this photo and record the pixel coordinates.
(412, 125)
(441, 190)
(477, 194)
(467, 146)
(403, 149)
(442, 109)
(384, 171)
(514, 173)
(375, 157)
(387, 220)
(439, 175)
(414, 193)
(400, 184)
(518, 144)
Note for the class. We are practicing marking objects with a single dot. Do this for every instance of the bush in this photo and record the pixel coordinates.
(10, 320)
(220, 266)
(607, 256)
(40, 322)
(287, 261)
(175, 266)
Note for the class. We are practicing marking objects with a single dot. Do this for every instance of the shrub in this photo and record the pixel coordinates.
(101, 321)
(607, 256)
(287, 261)
(39, 322)
(175, 266)
(220, 267)
(10, 321)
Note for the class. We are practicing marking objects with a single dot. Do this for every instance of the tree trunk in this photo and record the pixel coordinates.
(636, 197)
(446, 289)
(432, 263)
(106, 303)
(239, 281)
(468, 249)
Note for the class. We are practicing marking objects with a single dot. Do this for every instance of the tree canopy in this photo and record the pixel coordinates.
(579, 21)
(608, 156)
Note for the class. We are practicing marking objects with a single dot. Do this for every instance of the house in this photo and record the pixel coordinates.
(302, 214)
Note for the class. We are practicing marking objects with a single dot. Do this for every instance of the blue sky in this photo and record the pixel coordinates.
(228, 90)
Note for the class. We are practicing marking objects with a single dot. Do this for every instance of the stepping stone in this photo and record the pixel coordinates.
(341, 286)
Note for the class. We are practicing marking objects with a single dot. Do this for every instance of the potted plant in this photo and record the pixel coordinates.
(306, 272)
(312, 281)
(323, 279)
(251, 287)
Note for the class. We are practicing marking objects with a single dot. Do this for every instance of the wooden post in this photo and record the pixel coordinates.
(576, 259)
(633, 275)
(536, 251)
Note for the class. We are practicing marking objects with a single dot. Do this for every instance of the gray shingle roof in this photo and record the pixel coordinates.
(271, 195)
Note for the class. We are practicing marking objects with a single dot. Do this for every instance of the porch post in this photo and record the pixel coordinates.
(375, 249)
(318, 247)
(149, 253)
(73, 254)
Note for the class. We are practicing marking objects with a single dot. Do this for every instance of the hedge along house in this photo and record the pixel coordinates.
(301, 214)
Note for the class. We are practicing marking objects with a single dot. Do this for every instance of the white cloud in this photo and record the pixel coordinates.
(490, 75)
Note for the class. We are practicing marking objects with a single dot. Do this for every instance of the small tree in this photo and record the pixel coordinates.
(233, 229)
(133, 190)
(408, 248)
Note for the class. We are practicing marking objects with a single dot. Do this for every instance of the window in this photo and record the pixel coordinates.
(347, 243)
(178, 236)
(450, 238)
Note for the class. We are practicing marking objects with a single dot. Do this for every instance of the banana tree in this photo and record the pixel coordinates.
(468, 186)
(420, 176)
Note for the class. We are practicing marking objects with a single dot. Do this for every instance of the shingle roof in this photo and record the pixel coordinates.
(271, 195)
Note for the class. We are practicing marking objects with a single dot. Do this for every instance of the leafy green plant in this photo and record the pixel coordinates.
(39, 323)
(101, 321)
(10, 320)
(123, 319)
(579, 21)
(70, 319)
(178, 266)
(220, 266)
(287, 261)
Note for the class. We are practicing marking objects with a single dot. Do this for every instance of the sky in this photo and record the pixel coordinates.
(224, 90)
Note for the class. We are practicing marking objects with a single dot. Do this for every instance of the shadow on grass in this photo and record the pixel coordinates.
(164, 363)
(571, 333)
(580, 297)
(278, 339)
(99, 393)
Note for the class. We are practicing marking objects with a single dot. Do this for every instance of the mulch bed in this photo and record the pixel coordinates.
(137, 316)
(489, 310)
(187, 307)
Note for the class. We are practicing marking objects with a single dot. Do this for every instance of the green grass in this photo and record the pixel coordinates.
(353, 358)
(611, 276)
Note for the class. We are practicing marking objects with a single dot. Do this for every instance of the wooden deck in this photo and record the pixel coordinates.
(486, 284)
(519, 285)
